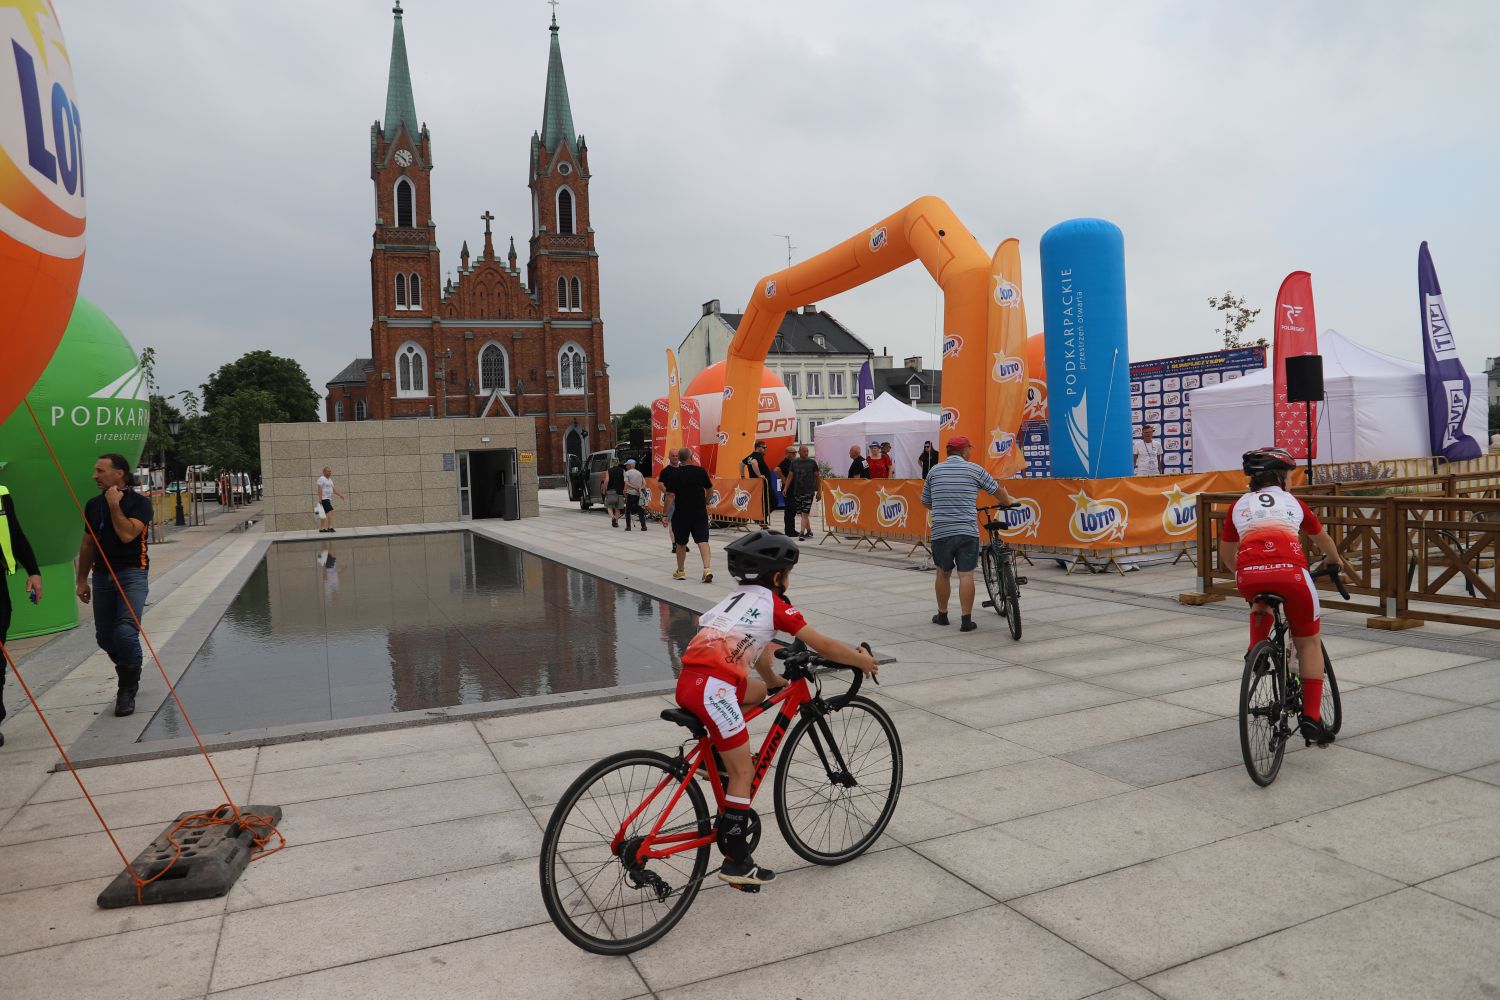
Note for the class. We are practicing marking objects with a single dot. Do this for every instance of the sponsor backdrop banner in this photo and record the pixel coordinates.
(1005, 389)
(1159, 392)
(688, 431)
(1088, 357)
(1448, 388)
(731, 499)
(1296, 335)
(1054, 513)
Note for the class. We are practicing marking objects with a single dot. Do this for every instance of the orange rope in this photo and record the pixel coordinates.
(212, 817)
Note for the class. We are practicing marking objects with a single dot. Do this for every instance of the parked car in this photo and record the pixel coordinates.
(586, 480)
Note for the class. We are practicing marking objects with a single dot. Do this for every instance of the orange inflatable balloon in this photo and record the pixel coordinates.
(776, 422)
(42, 213)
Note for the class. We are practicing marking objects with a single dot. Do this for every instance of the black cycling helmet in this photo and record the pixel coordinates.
(1267, 460)
(759, 554)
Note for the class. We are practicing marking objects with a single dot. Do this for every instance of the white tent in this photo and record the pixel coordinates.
(1376, 409)
(885, 419)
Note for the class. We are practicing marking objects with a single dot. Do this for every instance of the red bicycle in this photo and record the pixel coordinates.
(628, 846)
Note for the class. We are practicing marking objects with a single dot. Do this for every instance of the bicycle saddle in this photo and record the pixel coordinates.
(1273, 601)
(683, 717)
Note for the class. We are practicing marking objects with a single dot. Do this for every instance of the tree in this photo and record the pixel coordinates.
(1236, 317)
(282, 378)
(638, 415)
(229, 438)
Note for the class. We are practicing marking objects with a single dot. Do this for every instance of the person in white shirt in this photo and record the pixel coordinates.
(634, 484)
(325, 491)
(1147, 453)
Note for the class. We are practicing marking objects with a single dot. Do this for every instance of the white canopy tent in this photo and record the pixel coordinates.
(1376, 409)
(885, 419)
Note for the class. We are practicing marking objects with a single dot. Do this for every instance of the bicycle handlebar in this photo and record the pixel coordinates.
(1332, 572)
(1001, 506)
(801, 661)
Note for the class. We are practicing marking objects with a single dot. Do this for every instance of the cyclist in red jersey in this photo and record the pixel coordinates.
(1261, 539)
(735, 635)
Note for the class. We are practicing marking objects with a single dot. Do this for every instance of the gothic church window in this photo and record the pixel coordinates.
(411, 370)
(577, 296)
(571, 365)
(562, 294)
(492, 368)
(338, 410)
(400, 290)
(404, 203)
(565, 212)
(360, 413)
(415, 291)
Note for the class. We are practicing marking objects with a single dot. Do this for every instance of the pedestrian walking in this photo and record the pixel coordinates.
(951, 493)
(802, 489)
(634, 484)
(612, 484)
(324, 491)
(690, 486)
(114, 551)
(663, 484)
(15, 550)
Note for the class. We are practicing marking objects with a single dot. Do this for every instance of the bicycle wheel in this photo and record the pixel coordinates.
(597, 902)
(1262, 713)
(837, 782)
(1333, 706)
(1012, 597)
(989, 561)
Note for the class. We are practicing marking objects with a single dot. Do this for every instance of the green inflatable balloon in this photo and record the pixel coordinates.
(91, 399)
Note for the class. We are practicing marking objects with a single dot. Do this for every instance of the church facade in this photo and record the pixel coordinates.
(492, 340)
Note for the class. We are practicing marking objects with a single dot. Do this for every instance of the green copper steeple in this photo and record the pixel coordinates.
(400, 108)
(557, 115)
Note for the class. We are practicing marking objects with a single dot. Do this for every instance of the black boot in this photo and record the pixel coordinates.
(130, 682)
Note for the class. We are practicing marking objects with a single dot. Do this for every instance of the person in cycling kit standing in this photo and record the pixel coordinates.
(734, 636)
(1261, 541)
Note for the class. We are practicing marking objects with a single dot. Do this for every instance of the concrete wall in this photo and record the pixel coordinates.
(391, 471)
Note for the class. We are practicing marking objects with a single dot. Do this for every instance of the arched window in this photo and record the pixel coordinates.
(400, 290)
(338, 410)
(415, 288)
(405, 199)
(564, 211)
(571, 365)
(577, 295)
(411, 370)
(562, 294)
(494, 371)
(360, 413)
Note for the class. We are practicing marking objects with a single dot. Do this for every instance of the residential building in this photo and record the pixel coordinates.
(911, 383)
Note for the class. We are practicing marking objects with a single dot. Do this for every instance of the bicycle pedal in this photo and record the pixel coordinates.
(988, 604)
(752, 889)
(1021, 581)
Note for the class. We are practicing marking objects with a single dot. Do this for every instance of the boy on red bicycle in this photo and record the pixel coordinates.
(715, 682)
(1261, 540)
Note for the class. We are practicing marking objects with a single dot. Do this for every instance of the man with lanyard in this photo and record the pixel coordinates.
(1147, 453)
(951, 492)
(117, 520)
(755, 466)
(14, 550)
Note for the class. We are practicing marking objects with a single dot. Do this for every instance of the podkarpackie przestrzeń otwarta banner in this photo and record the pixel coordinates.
(1448, 388)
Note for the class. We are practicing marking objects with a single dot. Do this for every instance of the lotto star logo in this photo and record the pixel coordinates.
(890, 509)
(1101, 519)
(845, 506)
(1181, 514)
(1023, 521)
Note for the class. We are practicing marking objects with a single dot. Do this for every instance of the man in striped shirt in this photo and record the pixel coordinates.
(951, 492)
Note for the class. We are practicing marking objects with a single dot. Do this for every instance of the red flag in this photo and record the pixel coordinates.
(1296, 335)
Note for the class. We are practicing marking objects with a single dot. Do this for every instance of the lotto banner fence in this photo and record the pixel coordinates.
(1095, 514)
(731, 499)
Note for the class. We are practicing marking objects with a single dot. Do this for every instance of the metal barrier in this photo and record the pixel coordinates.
(1406, 555)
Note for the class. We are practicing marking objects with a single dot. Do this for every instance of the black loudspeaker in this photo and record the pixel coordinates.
(1304, 378)
(638, 434)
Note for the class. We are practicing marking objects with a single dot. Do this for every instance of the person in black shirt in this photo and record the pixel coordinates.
(686, 492)
(116, 534)
(784, 470)
(755, 466)
(15, 550)
(928, 458)
(614, 492)
(857, 467)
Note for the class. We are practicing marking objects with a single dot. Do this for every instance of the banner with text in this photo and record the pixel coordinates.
(1448, 387)
(731, 499)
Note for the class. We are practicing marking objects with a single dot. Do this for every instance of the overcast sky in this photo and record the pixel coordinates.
(230, 205)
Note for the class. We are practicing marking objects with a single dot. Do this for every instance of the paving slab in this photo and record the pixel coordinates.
(1162, 757)
(1474, 684)
(953, 696)
(934, 747)
(1490, 774)
(1033, 703)
(531, 963)
(1425, 831)
(146, 774)
(1221, 700)
(1053, 848)
(1162, 913)
(392, 809)
(58, 914)
(306, 784)
(272, 942)
(1396, 663)
(70, 858)
(1403, 945)
(366, 746)
(46, 820)
(155, 963)
(1089, 727)
(1477, 886)
(1371, 709)
(1176, 675)
(1459, 741)
(991, 952)
(578, 718)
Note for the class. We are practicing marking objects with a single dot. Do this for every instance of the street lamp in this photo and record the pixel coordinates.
(174, 427)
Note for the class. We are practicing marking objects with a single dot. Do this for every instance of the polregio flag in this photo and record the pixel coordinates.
(1296, 335)
(1448, 386)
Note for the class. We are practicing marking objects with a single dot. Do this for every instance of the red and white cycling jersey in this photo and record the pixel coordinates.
(1265, 523)
(733, 633)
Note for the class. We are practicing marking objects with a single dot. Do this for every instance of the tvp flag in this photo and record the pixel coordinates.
(674, 404)
(1448, 385)
(41, 194)
(1296, 335)
(1005, 346)
(866, 385)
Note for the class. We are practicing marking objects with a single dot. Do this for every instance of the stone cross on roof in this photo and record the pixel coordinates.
(489, 246)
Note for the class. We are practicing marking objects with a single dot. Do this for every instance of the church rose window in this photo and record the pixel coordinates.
(565, 212)
(404, 211)
(571, 364)
(492, 368)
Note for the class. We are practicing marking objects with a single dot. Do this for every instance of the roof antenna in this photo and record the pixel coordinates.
(789, 248)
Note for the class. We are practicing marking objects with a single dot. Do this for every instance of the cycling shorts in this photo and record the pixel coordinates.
(1293, 585)
(716, 703)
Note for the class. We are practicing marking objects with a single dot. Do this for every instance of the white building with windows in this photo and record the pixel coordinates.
(816, 356)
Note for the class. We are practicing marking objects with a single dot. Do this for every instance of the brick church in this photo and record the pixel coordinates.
(485, 342)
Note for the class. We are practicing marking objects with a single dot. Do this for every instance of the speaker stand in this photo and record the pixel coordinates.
(1308, 405)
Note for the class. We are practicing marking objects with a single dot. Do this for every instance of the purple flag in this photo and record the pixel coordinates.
(1447, 383)
(866, 385)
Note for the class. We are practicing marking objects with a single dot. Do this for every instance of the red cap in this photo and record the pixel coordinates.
(958, 443)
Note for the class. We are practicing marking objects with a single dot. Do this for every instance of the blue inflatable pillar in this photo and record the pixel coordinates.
(1088, 356)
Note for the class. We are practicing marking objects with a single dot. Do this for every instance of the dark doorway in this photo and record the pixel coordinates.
(493, 484)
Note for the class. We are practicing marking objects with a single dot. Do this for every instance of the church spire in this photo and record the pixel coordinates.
(400, 107)
(557, 115)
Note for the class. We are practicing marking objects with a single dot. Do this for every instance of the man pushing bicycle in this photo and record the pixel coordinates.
(1260, 540)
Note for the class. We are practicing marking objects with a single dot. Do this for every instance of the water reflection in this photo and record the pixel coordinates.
(365, 626)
